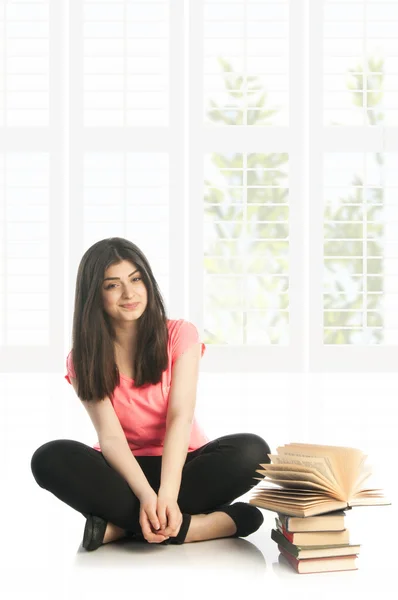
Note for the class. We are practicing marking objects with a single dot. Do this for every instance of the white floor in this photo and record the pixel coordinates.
(41, 537)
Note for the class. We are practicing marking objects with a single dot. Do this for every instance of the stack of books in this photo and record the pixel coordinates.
(310, 488)
(316, 544)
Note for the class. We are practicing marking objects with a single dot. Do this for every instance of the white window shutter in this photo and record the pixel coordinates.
(206, 172)
(127, 136)
(246, 182)
(32, 184)
(353, 183)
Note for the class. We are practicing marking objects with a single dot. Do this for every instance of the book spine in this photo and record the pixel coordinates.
(289, 557)
(289, 536)
(279, 538)
(286, 522)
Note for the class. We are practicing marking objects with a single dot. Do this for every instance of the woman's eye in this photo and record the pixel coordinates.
(112, 284)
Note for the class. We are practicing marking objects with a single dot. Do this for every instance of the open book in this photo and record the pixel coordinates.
(308, 479)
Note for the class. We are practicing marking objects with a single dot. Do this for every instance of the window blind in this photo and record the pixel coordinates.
(32, 172)
(186, 134)
(127, 140)
(353, 94)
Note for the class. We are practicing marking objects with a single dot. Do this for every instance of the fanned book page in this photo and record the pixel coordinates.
(310, 479)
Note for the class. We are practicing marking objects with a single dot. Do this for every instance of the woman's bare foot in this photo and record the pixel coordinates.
(209, 527)
(112, 533)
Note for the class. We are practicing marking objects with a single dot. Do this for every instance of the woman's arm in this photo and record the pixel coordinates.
(180, 415)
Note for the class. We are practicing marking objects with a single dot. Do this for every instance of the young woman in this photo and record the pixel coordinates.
(153, 474)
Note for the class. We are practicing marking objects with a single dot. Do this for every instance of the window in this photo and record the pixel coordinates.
(249, 147)
(353, 185)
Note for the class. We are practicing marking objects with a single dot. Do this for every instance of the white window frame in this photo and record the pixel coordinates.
(169, 140)
(338, 358)
(291, 139)
(186, 141)
(51, 139)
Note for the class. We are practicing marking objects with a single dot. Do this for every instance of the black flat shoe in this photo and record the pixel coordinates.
(94, 532)
(182, 534)
(248, 518)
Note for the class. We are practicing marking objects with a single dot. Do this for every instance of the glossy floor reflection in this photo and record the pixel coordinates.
(41, 536)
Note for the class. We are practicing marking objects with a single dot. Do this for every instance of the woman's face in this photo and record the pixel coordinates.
(125, 287)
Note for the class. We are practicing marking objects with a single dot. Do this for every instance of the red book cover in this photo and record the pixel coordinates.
(295, 562)
(292, 559)
(287, 534)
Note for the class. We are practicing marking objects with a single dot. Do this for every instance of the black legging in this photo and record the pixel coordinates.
(213, 475)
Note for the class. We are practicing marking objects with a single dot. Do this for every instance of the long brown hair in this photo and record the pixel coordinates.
(93, 350)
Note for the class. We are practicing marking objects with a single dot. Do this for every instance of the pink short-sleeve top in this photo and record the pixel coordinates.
(142, 412)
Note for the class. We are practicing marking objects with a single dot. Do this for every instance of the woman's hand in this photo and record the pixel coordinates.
(169, 514)
(149, 519)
